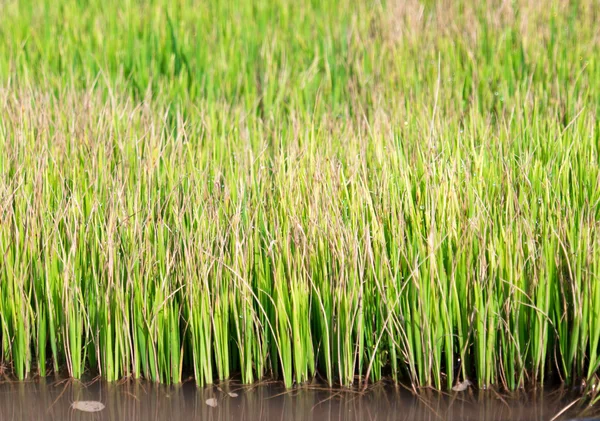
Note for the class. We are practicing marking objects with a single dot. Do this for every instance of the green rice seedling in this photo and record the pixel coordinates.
(593, 328)
(200, 330)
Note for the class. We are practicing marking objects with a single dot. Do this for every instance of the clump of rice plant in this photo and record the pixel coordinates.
(353, 190)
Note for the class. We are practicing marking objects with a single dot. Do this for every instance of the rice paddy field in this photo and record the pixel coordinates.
(341, 190)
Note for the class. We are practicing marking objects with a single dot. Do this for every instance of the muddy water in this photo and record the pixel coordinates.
(134, 401)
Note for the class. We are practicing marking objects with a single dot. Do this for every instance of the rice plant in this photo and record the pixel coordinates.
(343, 190)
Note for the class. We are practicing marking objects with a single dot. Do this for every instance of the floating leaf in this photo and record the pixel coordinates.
(233, 394)
(88, 406)
(212, 402)
(462, 386)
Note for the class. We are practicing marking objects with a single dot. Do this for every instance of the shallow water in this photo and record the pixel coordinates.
(132, 401)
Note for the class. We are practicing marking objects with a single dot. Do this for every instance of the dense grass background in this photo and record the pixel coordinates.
(357, 189)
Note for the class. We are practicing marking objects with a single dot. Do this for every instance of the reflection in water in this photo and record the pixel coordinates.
(135, 401)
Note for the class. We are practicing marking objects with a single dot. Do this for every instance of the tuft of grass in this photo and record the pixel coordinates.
(345, 189)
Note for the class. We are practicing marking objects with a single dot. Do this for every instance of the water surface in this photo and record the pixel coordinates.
(132, 401)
